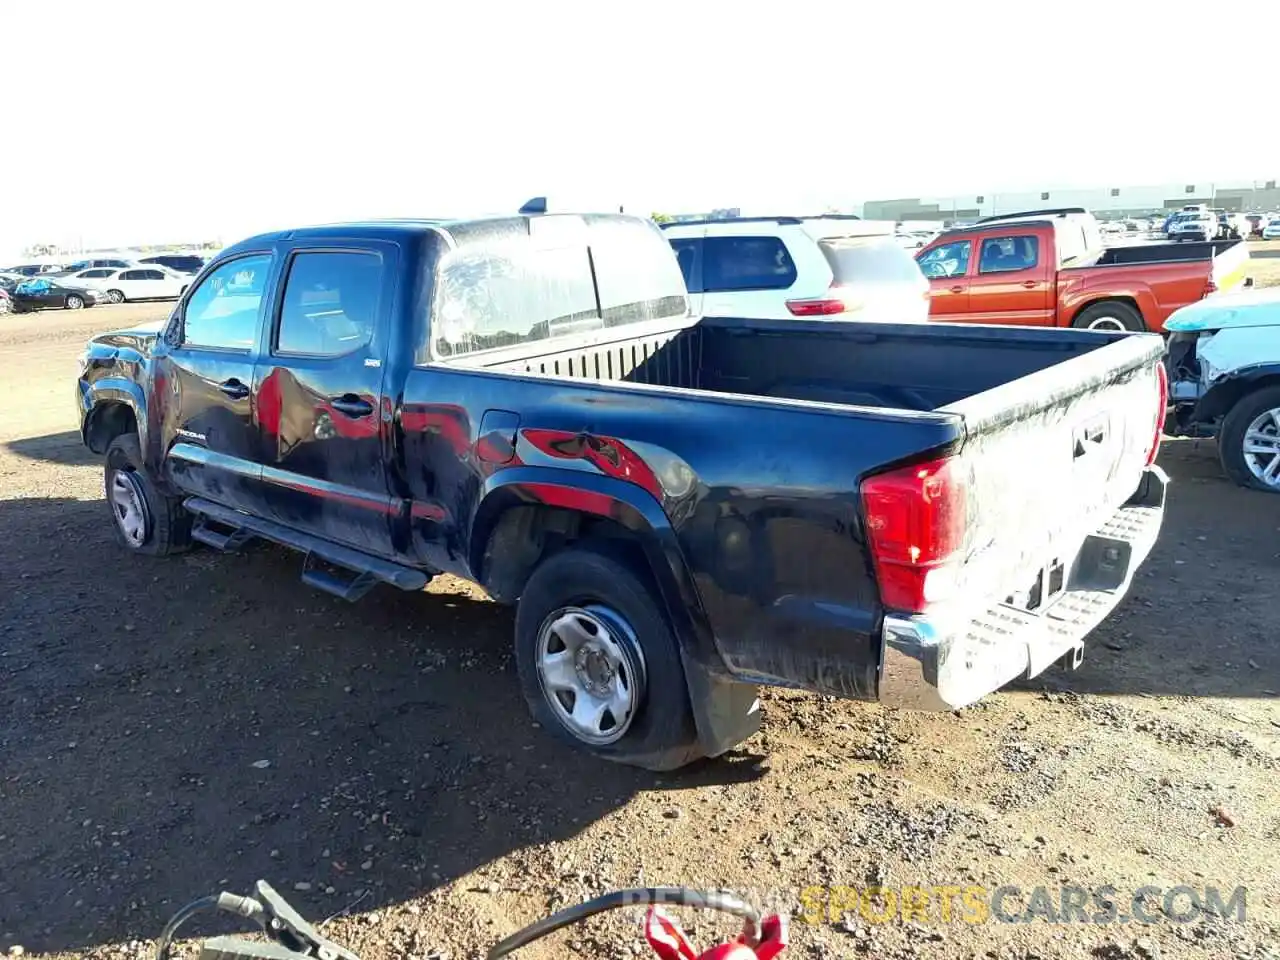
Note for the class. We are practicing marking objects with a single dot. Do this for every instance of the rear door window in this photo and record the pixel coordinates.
(746, 263)
(1008, 254)
(330, 303)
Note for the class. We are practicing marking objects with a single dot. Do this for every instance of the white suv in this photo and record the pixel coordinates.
(777, 268)
(1194, 225)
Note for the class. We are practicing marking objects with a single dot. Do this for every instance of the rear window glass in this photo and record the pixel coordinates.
(1073, 241)
(637, 273)
(512, 292)
(520, 290)
(869, 259)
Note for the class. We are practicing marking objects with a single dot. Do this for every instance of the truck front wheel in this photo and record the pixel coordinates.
(1249, 441)
(144, 519)
(1110, 315)
(599, 665)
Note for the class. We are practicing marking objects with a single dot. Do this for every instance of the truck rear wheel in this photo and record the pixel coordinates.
(1249, 441)
(1110, 315)
(599, 664)
(144, 519)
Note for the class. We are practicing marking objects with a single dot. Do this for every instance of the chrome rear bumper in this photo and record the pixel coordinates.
(925, 667)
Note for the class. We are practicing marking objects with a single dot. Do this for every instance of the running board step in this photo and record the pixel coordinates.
(368, 569)
(328, 581)
(229, 542)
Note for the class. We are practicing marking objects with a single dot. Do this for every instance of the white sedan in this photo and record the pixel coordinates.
(152, 282)
(1271, 231)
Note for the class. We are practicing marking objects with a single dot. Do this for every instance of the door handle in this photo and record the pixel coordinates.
(352, 405)
(1030, 284)
(234, 389)
(957, 289)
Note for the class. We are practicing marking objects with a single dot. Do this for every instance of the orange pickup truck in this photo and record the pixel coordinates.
(1048, 268)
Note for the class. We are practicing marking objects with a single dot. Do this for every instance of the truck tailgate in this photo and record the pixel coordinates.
(1230, 266)
(1050, 457)
(1020, 542)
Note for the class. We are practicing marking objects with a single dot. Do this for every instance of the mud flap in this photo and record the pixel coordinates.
(725, 711)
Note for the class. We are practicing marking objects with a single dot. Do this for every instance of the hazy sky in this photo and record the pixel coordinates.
(139, 121)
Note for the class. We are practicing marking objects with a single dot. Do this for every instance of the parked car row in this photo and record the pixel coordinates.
(1038, 268)
(86, 283)
(1199, 221)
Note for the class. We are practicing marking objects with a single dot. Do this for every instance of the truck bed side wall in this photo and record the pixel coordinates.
(1157, 278)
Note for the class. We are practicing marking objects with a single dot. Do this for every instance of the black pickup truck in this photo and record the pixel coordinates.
(680, 508)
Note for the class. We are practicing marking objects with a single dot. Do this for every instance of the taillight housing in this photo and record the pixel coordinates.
(817, 307)
(1162, 407)
(915, 525)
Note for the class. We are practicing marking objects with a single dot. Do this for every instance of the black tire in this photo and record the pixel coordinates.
(1231, 436)
(116, 296)
(166, 526)
(73, 302)
(661, 734)
(1110, 310)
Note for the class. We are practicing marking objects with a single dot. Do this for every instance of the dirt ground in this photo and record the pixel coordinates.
(171, 728)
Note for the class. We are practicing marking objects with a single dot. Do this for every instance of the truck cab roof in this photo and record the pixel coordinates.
(458, 229)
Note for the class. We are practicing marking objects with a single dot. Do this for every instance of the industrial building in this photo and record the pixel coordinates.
(1113, 202)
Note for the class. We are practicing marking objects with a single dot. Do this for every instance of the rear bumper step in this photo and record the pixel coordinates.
(930, 667)
(367, 568)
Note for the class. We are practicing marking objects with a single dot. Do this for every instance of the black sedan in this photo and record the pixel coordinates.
(42, 293)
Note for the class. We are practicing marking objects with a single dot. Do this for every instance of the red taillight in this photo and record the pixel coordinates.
(821, 307)
(1162, 406)
(915, 522)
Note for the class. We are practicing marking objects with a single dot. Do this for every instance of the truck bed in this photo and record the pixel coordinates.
(1049, 431)
(874, 367)
(1159, 253)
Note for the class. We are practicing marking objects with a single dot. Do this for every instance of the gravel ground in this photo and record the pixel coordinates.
(169, 728)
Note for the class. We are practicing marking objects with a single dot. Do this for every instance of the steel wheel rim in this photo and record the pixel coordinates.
(129, 507)
(1106, 323)
(1261, 446)
(74, 303)
(587, 678)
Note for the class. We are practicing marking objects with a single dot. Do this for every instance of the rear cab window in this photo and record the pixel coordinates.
(638, 279)
(560, 280)
(686, 251)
